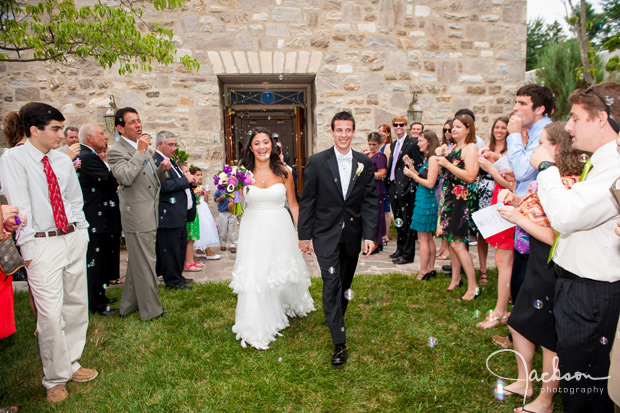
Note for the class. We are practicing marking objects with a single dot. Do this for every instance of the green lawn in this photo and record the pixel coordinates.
(190, 361)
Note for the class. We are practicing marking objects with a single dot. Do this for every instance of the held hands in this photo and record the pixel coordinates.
(515, 124)
(505, 196)
(369, 246)
(539, 155)
(442, 150)
(485, 164)
(12, 219)
(306, 247)
(411, 173)
(442, 161)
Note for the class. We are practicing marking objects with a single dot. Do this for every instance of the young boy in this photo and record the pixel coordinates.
(227, 221)
(42, 183)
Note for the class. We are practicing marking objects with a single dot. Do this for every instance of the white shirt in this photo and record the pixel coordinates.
(25, 186)
(188, 193)
(585, 216)
(344, 168)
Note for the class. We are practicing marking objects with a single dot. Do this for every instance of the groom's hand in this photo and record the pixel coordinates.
(306, 247)
(369, 246)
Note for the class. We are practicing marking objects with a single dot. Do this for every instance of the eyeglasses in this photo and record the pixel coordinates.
(612, 122)
(447, 131)
(399, 125)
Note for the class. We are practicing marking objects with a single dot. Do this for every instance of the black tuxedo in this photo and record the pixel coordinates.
(402, 195)
(336, 225)
(172, 225)
(101, 208)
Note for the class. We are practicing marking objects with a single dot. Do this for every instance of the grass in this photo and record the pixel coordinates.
(190, 361)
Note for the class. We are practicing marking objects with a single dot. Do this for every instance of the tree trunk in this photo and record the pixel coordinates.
(583, 40)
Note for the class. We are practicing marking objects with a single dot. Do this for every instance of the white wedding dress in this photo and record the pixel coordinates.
(270, 276)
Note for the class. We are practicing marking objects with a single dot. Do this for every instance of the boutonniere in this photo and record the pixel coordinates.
(360, 169)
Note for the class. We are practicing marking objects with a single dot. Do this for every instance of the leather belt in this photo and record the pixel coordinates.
(70, 229)
(562, 273)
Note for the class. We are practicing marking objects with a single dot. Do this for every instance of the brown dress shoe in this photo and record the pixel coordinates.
(57, 394)
(233, 250)
(222, 248)
(83, 375)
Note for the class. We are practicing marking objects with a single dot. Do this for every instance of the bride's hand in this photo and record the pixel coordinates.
(306, 247)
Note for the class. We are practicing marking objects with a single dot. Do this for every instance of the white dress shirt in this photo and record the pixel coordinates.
(344, 168)
(585, 216)
(179, 174)
(25, 186)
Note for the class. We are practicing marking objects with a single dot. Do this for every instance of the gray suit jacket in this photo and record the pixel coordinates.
(139, 183)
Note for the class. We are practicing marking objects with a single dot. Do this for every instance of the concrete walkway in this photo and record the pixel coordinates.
(221, 270)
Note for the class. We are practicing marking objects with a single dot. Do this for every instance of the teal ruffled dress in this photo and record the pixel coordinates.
(424, 217)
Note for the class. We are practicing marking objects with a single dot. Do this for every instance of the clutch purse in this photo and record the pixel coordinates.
(10, 259)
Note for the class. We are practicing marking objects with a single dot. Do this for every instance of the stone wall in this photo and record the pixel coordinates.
(368, 56)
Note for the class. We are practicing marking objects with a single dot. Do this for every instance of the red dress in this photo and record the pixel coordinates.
(7, 314)
(503, 240)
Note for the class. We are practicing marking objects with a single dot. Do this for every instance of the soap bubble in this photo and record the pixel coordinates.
(398, 223)
(583, 158)
(432, 342)
(349, 294)
(538, 304)
(604, 341)
(173, 200)
(476, 313)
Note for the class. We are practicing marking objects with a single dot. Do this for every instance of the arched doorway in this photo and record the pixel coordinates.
(270, 103)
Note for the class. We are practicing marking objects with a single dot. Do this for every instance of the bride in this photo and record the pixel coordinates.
(270, 276)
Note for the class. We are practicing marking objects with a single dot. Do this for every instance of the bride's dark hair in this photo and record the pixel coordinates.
(248, 159)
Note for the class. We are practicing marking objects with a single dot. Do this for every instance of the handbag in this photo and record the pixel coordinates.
(10, 259)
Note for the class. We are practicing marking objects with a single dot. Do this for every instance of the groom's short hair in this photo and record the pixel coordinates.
(344, 115)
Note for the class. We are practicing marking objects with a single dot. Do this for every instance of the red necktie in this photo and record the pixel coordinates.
(58, 207)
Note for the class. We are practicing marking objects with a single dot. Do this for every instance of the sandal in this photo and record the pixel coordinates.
(443, 257)
(191, 268)
(116, 282)
(198, 264)
(491, 322)
(483, 278)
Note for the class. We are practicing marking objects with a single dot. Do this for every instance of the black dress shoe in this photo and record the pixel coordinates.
(401, 260)
(340, 355)
(395, 255)
(380, 247)
(428, 275)
(107, 312)
(188, 280)
(179, 287)
(376, 251)
(446, 268)
(112, 300)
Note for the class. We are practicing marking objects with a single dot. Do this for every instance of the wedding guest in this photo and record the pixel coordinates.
(42, 183)
(490, 156)
(71, 142)
(99, 191)
(534, 105)
(139, 183)
(227, 221)
(587, 299)
(208, 228)
(486, 183)
(175, 205)
(193, 225)
(386, 134)
(446, 139)
(379, 165)
(8, 214)
(424, 219)
(402, 190)
(531, 322)
(460, 168)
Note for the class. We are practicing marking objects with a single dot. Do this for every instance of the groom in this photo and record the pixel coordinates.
(338, 209)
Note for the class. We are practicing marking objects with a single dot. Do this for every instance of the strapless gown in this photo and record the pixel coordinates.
(270, 276)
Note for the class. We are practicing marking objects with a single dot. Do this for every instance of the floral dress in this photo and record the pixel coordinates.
(455, 204)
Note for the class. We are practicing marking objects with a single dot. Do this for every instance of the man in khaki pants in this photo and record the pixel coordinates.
(43, 184)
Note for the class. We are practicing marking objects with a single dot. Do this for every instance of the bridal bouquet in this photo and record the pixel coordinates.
(232, 179)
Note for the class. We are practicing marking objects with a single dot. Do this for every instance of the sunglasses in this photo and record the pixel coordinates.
(612, 122)
(447, 130)
(399, 125)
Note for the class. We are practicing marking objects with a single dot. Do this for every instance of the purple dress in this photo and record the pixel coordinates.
(379, 161)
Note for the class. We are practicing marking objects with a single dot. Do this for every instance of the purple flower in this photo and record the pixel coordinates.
(232, 180)
(227, 169)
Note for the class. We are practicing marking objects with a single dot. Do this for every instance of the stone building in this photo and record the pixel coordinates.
(289, 65)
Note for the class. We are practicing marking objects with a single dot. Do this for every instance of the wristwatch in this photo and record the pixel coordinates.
(544, 165)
